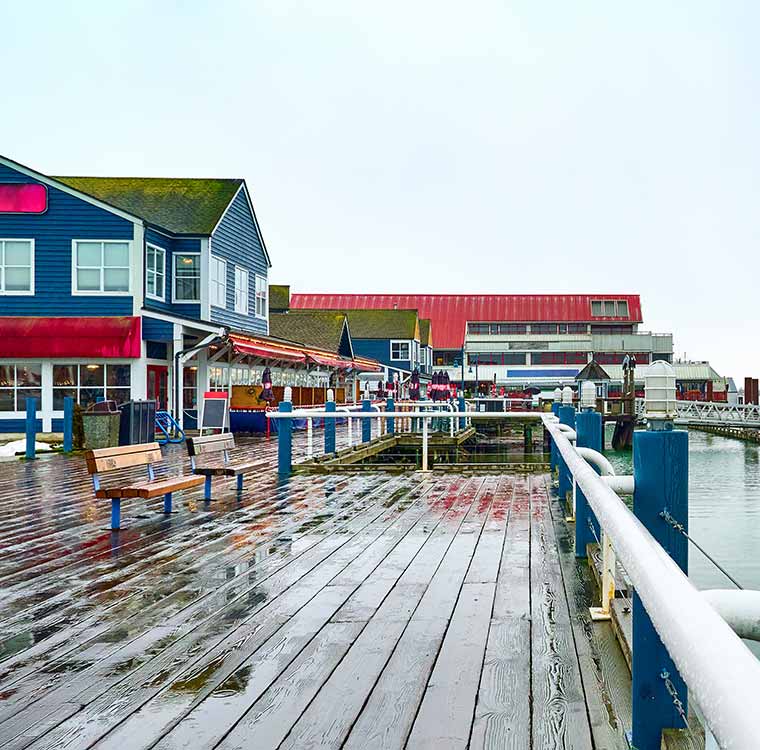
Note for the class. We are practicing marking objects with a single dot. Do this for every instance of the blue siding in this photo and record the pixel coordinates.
(379, 349)
(18, 425)
(172, 245)
(66, 219)
(237, 241)
(157, 330)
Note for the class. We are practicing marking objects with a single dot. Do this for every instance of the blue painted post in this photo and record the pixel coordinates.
(330, 428)
(240, 482)
(366, 423)
(68, 424)
(115, 513)
(285, 441)
(462, 409)
(588, 426)
(661, 482)
(553, 452)
(168, 502)
(390, 405)
(207, 488)
(31, 427)
(566, 416)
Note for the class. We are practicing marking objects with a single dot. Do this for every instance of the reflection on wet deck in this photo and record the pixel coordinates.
(376, 611)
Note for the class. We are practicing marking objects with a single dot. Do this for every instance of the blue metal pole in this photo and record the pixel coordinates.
(68, 424)
(31, 427)
(285, 441)
(661, 482)
(366, 424)
(462, 409)
(588, 427)
(566, 416)
(330, 428)
(390, 405)
(553, 452)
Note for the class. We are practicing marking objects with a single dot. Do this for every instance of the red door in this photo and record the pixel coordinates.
(158, 385)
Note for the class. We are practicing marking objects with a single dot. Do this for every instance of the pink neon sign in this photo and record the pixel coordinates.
(19, 198)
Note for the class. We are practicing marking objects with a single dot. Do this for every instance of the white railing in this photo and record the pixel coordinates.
(720, 672)
(712, 413)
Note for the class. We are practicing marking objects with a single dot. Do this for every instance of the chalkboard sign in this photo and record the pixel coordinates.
(215, 411)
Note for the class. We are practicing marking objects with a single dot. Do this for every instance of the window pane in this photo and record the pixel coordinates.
(622, 309)
(64, 375)
(187, 264)
(88, 281)
(609, 308)
(89, 254)
(6, 399)
(18, 253)
(88, 396)
(116, 254)
(23, 394)
(18, 279)
(29, 375)
(150, 284)
(7, 376)
(116, 280)
(119, 395)
(92, 374)
(118, 375)
(59, 394)
(596, 308)
(188, 289)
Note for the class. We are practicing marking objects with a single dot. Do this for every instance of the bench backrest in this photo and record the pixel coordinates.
(197, 446)
(106, 459)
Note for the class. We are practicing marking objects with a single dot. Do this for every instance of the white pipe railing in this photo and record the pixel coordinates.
(720, 672)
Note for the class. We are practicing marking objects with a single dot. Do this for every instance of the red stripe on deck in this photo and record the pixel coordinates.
(70, 337)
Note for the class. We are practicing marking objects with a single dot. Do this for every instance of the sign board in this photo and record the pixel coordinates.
(215, 411)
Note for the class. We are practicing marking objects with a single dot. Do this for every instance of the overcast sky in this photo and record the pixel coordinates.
(432, 146)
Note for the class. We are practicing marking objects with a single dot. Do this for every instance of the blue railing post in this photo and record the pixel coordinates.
(462, 409)
(661, 473)
(390, 405)
(31, 427)
(330, 424)
(566, 416)
(588, 428)
(553, 452)
(285, 438)
(68, 424)
(366, 423)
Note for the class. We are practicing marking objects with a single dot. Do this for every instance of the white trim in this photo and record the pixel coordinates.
(45, 180)
(205, 252)
(148, 295)
(256, 315)
(176, 301)
(89, 293)
(138, 290)
(238, 288)
(408, 342)
(29, 293)
(219, 260)
(192, 324)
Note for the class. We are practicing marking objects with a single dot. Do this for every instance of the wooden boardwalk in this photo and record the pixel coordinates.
(371, 611)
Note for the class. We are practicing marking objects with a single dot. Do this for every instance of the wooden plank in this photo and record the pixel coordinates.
(560, 718)
(126, 460)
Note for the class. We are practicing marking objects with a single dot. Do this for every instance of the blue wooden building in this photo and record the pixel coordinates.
(105, 283)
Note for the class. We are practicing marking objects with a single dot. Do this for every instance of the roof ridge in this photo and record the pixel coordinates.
(137, 177)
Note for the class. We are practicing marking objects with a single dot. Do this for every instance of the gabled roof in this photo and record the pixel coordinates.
(425, 337)
(324, 329)
(279, 297)
(383, 324)
(180, 205)
(451, 312)
(593, 371)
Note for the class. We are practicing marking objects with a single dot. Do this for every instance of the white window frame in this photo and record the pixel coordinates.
(404, 342)
(12, 293)
(213, 283)
(175, 257)
(101, 293)
(242, 300)
(162, 296)
(264, 295)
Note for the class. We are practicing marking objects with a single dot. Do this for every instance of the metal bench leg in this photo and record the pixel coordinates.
(168, 502)
(115, 513)
(239, 482)
(207, 488)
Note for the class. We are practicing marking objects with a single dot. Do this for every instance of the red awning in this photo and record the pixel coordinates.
(70, 337)
(328, 361)
(266, 349)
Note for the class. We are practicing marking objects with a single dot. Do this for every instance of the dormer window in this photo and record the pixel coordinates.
(609, 308)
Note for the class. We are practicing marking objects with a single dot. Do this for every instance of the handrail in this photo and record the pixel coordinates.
(721, 673)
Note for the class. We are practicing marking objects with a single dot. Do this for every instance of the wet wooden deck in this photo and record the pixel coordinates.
(375, 611)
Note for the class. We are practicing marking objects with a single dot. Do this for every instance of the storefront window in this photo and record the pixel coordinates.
(88, 383)
(17, 383)
(189, 389)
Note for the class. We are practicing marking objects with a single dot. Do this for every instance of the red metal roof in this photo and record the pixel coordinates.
(450, 312)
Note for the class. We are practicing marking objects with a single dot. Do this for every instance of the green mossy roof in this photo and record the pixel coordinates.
(382, 324)
(425, 339)
(279, 297)
(322, 329)
(181, 205)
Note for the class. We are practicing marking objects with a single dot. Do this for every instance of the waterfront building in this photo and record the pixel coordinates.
(521, 340)
(106, 283)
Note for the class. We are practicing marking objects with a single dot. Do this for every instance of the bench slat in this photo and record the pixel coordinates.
(125, 456)
(151, 489)
(227, 470)
(197, 446)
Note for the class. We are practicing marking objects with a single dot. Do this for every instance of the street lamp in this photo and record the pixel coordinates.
(477, 379)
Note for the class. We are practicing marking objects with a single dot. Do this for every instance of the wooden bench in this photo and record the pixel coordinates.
(217, 449)
(130, 456)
